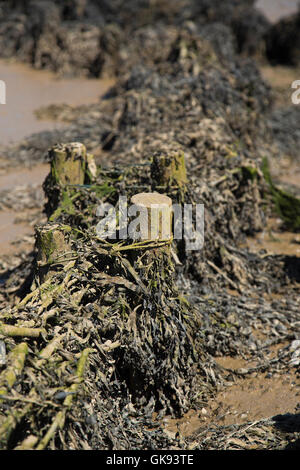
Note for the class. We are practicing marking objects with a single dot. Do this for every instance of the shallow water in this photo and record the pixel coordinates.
(28, 90)
(276, 9)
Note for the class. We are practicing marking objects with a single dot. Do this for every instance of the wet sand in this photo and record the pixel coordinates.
(28, 89)
(10, 231)
(280, 77)
(276, 9)
(23, 176)
(275, 242)
(247, 400)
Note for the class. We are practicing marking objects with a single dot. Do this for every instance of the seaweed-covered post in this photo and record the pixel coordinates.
(169, 170)
(159, 356)
(168, 174)
(54, 248)
(68, 163)
(155, 230)
(71, 165)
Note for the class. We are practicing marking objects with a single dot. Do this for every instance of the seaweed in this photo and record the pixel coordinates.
(287, 206)
(120, 298)
(121, 333)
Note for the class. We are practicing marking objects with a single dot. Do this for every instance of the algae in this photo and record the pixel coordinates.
(287, 206)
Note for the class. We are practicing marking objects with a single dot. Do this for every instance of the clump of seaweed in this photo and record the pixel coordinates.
(103, 321)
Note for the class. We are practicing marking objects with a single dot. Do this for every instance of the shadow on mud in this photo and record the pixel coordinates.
(292, 267)
(289, 423)
(9, 280)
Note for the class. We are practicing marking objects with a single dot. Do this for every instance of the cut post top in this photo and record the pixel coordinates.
(155, 219)
(149, 200)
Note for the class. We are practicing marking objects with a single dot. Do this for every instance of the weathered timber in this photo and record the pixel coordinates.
(155, 215)
(169, 170)
(53, 248)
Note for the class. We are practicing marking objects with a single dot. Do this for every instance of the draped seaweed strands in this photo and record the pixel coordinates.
(104, 335)
(103, 322)
(100, 331)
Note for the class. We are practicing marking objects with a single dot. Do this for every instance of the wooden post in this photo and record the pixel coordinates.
(53, 245)
(169, 170)
(155, 219)
(68, 163)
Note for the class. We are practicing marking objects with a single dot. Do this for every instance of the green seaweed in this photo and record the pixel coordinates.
(249, 172)
(287, 206)
(65, 206)
(71, 193)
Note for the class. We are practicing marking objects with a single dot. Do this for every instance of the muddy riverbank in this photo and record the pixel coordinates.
(28, 90)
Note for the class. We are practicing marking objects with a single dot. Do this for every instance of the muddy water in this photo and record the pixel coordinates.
(10, 231)
(28, 90)
(276, 9)
(23, 176)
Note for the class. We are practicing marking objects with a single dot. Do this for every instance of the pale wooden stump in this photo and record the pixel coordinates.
(155, 216)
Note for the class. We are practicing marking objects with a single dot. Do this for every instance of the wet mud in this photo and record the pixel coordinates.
(29, 90)
(275, 10)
